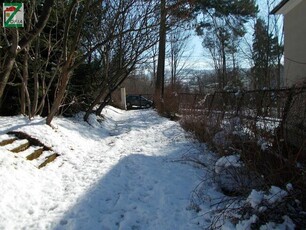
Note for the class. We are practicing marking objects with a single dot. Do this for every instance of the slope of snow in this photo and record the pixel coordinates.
(120, 173)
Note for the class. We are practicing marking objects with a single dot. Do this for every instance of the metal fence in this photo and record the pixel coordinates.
(279, 112)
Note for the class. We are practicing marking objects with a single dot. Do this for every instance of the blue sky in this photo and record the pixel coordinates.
(199, 58)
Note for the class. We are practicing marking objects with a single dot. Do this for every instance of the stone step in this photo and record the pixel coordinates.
(18, 146)
(35, 154)
(7, 139)
(45, 158)
(31, 153)
(48, 160)
(29, 148)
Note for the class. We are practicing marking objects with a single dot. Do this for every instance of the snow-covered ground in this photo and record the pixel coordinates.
(120, 173)
(126, 171)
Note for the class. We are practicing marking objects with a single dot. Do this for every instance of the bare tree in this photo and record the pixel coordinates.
(178, 57)
(69, 54)
(175, 11)
(133, 36)
(15, 45)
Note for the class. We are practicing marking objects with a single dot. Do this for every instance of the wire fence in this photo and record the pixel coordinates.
(268, 113)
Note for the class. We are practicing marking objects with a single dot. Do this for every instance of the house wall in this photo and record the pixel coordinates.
(295, 45)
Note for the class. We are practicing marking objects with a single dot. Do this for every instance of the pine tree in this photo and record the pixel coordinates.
(265, 54)
(221, 25)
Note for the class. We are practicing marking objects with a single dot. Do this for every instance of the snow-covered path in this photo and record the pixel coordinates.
(120, 174)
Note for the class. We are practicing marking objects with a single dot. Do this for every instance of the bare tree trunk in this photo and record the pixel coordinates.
(24, 85)
(93, 104)
(267, 80)
(105, 102)
(109, 95)
(25, 96)
(36, 94)
(224, 71)
(62, 84)
(40, 106)
(36, 81)
(9, 61)
(160, 75)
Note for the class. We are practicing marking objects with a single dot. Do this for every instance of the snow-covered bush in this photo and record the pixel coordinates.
(275, 208)
(234, 178)
(247, 132)
(246, 200)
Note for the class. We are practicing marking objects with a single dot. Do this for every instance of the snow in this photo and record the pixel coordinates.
(289, 187)
(121, 170)
(286, 225)
(255, 198)
(227, 161)
(119, 173)
(276, 194)
(246, 224)
(264, 144)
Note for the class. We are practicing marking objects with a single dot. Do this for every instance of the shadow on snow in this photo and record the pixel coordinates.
(140, 192)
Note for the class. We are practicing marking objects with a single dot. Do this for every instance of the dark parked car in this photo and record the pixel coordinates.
(138, 101)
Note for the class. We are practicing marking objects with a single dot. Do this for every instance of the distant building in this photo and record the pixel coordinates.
(294, 12)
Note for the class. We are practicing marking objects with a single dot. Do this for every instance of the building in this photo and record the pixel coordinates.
(294, 12)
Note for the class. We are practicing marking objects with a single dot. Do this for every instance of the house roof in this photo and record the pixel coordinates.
(279, 6)
(285, 6)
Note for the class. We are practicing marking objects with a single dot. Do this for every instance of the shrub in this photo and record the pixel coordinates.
(230, 128)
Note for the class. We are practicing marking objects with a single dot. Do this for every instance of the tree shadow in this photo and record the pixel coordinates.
(23, 122)
(140, 192)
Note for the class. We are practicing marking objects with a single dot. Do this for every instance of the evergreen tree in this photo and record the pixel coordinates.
(221, 25)
(265, 55)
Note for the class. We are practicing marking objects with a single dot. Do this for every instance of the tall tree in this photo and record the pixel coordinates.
(160, 73)
(222, 44)
(176, 11)
(221, 23)
(178, 41)
(265, 55)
